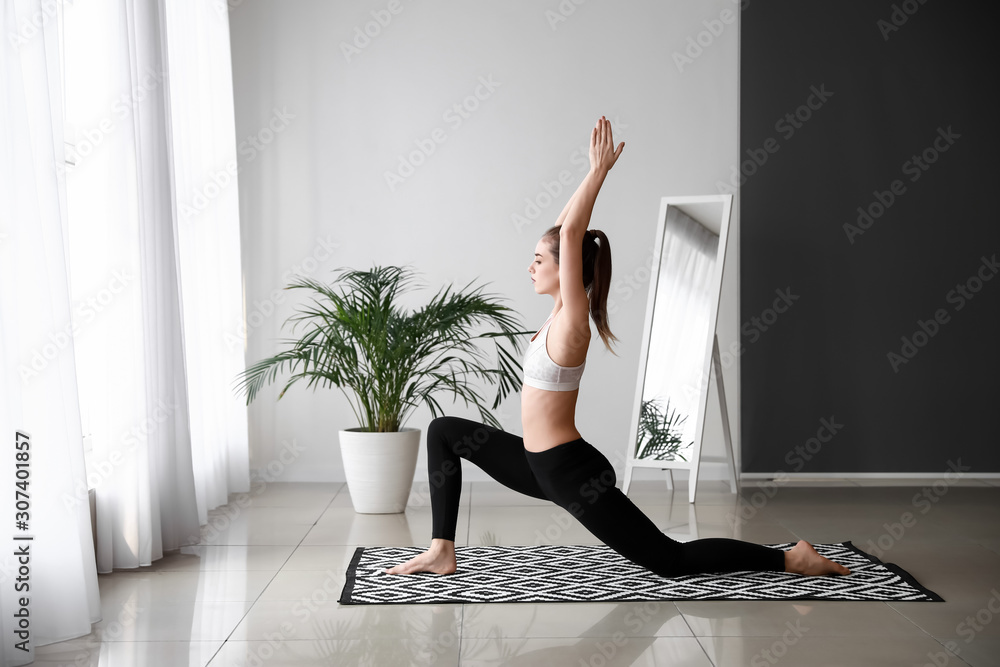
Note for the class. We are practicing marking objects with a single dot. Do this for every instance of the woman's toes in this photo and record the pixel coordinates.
(402, 568)
(810, 562)
(425, 563)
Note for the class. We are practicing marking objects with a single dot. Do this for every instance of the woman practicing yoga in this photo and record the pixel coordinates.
(552, 461)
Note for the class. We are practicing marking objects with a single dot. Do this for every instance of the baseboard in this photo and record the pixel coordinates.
(864, 475)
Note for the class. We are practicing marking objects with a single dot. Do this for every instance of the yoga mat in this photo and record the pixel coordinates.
(596, 573)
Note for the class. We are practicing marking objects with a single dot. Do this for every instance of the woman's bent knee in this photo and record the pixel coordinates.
(459, 435)
(440, 427)
(438, 423)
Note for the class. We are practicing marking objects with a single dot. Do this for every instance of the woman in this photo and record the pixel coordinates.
(552, 461)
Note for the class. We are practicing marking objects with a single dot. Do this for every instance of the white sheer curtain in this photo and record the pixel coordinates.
(38, 385)
(132, 382)
(159, 370)
(101, 287)
(681, 317)
(207, 220)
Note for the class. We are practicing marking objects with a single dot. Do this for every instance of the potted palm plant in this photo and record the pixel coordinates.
(358, 339)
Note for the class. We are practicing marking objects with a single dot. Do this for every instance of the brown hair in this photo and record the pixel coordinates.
(596, 275)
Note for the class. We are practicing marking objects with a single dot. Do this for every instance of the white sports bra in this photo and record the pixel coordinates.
(540, 371)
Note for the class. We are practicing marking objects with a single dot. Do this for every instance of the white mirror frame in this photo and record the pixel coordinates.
(691, 207)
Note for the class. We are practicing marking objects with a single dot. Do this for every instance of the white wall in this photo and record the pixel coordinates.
(313, 193)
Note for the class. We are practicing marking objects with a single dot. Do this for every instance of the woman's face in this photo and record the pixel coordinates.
(544, 270)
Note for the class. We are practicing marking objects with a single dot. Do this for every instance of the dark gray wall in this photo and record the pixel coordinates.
(855, 292)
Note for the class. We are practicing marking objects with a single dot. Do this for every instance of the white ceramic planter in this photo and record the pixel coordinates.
(379, 468)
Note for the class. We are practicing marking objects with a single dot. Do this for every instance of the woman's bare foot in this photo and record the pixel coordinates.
(803, 559)
(440, 559)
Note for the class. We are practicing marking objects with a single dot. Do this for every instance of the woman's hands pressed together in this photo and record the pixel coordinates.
(603, 154)
(575, 216)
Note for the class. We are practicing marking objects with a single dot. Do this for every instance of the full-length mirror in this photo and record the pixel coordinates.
(679, 336)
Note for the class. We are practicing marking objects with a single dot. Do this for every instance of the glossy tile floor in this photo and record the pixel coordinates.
(262, 588)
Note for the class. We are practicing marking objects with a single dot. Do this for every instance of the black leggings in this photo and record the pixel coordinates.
(580, 479)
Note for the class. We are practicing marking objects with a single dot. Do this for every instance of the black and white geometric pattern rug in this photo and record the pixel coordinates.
(596, 573)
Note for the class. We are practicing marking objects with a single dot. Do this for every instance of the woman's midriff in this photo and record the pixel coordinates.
(547, 417)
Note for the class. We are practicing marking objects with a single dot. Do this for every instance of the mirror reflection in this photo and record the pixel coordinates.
(680, 339)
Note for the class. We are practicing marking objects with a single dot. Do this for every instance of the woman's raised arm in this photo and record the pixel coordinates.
(603, 156)
(594, 138)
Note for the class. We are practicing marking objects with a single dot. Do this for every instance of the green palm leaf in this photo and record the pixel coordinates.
(663, 431)
(356, 338)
